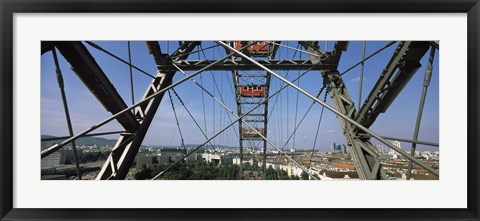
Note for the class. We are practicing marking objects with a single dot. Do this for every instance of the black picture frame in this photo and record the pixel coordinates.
(9, 7)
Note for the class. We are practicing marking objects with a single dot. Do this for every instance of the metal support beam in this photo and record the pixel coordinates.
(338, 113)
(67, 112)
(399, 70)
(47, 46)
(229, 65)
(239, 111)
(153, 48)
(412, 141)
(368, 57)
(124, 152)
(131, 72)
(95, 46)
(126, 148)
(87, 69)
(88, 135)
(361, 150)
(296, 49)
(360, 89)
(245, 102)
(232, 123)
(56, 147)
(239, 118)
(426, 83)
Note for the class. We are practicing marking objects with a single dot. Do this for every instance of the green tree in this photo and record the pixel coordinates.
(270, 174)
(145, 173)
(295, 177)
(304, 175)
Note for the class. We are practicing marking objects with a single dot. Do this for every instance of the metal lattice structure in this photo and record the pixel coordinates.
(253, 64)
(252, 93)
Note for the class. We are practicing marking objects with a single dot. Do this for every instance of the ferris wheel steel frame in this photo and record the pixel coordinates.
(355, 123)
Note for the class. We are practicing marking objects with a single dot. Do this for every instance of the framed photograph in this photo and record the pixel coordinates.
(198, 110)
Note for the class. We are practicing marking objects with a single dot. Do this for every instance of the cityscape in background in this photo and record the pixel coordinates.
(333, 163)
(240, 110)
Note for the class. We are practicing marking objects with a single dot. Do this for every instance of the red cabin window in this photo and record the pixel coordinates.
(252, 90)
(249, 133)
(258, 48)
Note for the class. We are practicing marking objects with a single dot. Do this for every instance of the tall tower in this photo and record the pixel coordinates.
(251, 89)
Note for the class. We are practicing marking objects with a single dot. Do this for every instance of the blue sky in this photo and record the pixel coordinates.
(85, 110)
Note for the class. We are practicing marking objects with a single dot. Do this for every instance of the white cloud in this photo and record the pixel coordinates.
(357, 79)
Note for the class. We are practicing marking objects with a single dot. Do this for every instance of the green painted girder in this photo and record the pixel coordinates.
(361, 150)
(123, 154)
(400, 69)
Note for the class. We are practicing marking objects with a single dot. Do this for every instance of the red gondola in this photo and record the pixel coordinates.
(252, 91)
(248, 133)
(258, 49)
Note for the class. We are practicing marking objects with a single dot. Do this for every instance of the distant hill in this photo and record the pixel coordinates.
(208, 146)
(191, 146)
(87, 141)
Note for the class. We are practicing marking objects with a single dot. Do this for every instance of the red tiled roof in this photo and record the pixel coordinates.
(344, 166)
